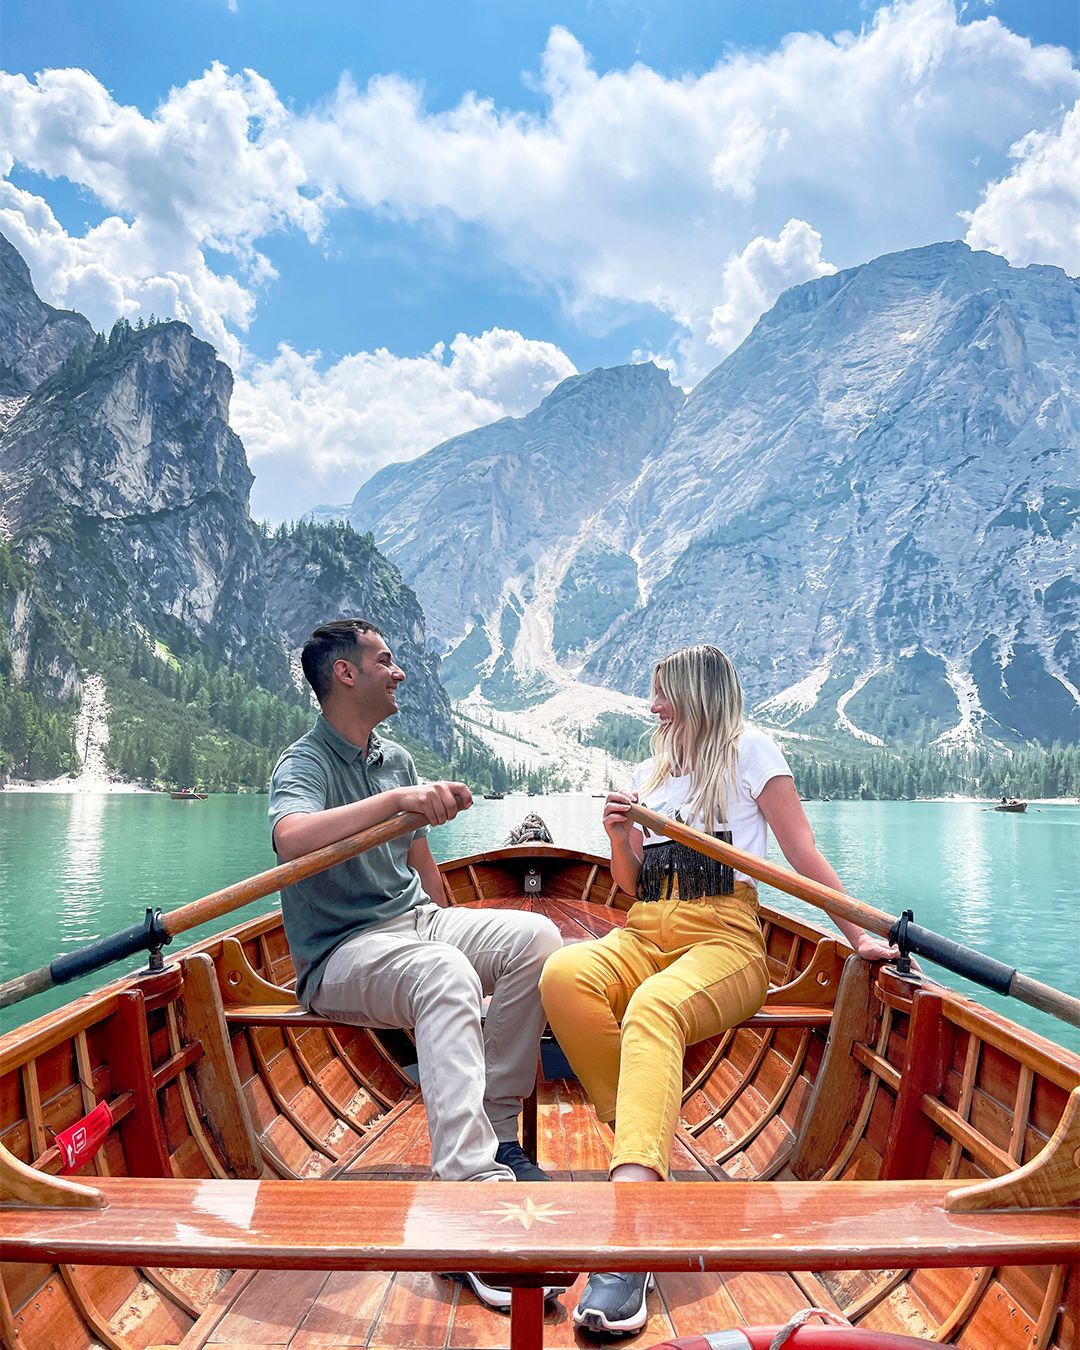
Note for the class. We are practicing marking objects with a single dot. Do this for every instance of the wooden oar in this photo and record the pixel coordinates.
(954, 956)
(158, 929)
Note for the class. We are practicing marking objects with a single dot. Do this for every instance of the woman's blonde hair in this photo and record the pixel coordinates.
(702, 738)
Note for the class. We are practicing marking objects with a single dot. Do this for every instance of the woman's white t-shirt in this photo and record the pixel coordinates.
(760, 759)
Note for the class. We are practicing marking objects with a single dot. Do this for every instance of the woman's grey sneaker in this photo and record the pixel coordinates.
(494, 1295)
(512, 1155)
(614, 1303)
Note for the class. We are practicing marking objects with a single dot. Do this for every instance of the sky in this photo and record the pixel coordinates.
(399, 222)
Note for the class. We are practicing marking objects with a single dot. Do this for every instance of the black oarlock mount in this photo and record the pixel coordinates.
(898, 936)
(156, 937)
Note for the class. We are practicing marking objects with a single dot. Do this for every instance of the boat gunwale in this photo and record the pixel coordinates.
(49, 1029)
(1047, 1059)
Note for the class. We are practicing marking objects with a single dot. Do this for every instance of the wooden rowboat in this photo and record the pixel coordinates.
(888, 1149)
(1011, 806)
(186, 796)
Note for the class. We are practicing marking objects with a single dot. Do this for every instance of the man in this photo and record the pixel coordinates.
(368, 945)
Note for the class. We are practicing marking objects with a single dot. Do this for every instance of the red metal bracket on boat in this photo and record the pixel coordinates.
(79, 1142)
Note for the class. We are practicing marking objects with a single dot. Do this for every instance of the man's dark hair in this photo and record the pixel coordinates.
(332, 642)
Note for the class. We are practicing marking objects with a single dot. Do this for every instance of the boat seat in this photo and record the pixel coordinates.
(530, 1234)
(295, 1015)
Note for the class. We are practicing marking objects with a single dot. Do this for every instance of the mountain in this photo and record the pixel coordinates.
(35, 339)
(479, 525)
(881, 487)
(871, 504)
(125, 491)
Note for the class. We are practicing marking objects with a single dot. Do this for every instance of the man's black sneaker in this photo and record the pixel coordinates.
(512, 1155)
(614, 1303)
(494, 1295)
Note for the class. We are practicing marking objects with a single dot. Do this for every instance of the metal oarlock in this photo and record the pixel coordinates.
(898, 936)
(156, 936)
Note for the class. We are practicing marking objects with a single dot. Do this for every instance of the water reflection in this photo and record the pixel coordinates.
(967, 891)
(77, 867)
(82, 887)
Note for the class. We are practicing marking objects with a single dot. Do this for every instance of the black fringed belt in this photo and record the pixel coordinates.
(667, 864)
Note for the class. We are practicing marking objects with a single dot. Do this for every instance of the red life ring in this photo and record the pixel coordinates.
(797, 1335)
(805, 1338)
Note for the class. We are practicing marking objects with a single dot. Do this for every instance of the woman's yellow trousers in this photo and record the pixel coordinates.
(625, 1008)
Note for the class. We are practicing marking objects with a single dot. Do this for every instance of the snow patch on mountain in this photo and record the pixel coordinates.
(545, 735)
(844, 722)
(965, 735)
(875, 492)
(797, 698)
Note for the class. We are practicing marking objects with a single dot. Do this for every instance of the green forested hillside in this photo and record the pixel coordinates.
(928, 773)
(176, 717)
(36, 738)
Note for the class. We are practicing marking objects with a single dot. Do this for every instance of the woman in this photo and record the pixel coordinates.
(690, 962)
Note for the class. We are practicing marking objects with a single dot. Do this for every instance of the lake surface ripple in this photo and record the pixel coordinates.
(77, 867)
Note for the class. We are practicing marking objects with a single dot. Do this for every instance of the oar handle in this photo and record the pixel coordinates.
(221, 902)
(924, 942)
(158, 928)
(835, 903)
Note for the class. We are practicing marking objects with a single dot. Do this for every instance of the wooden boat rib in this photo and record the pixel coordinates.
(842, 1119)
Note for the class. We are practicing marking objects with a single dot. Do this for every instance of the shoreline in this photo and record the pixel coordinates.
(97, 787)
(68, 787)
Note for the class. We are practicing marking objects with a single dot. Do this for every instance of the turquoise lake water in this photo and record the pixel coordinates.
(76, 867)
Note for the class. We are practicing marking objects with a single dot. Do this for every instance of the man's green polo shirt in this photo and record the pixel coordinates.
(321, 770)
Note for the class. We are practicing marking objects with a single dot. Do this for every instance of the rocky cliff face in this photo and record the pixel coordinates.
(881, 483)
(123, 486)
(872, 504)
(481, 524)
(34, 338)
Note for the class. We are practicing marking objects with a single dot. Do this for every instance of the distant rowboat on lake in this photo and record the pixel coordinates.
(188, 795)
(1014, 806)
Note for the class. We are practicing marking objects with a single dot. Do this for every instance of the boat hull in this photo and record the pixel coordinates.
(213, 1074)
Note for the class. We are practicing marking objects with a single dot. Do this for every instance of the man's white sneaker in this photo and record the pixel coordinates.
(494, 1295)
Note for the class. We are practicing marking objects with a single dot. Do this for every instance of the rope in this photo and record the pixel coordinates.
(794, 1323)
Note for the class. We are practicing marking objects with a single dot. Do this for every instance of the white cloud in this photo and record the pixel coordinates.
(1033, 214)
(756, 276)
(114, 270)
(315, 435)
(699, 195)
(211, 168)
(693, 194)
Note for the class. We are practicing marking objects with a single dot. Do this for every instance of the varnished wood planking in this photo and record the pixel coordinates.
(764, 1299)
(270, 1309)
(901, 1313)
(51, 1319)
(669, 1228)
(552, 1151)
(698, 1303)
(588, 1142)
(415, 1314)
(344, 1312)
(992, 1106)
(474, 1326)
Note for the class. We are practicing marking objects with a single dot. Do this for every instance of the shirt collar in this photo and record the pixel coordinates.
(344, 748)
